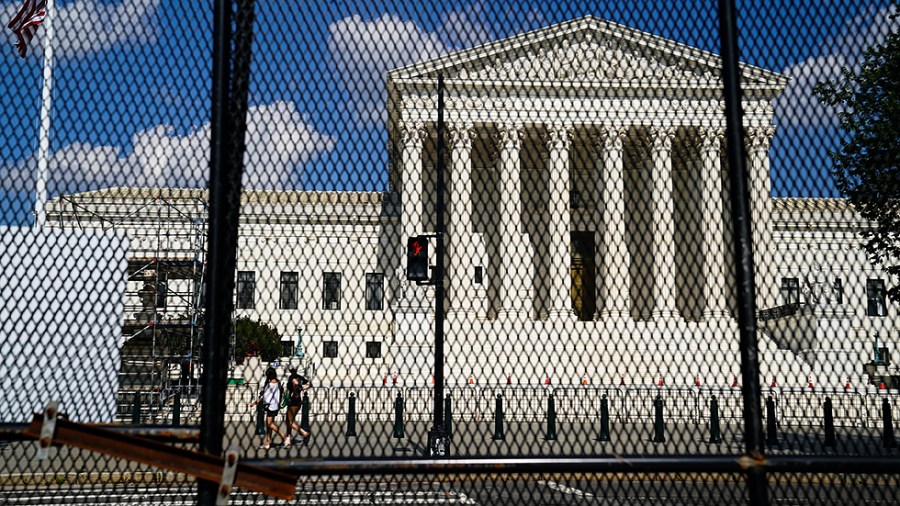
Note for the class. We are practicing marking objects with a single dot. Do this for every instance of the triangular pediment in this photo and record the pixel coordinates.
(589, 51)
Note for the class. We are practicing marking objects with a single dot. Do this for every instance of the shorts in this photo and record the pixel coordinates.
(272, 413)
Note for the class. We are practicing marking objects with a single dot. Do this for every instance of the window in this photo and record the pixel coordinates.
(479, 274)
(374, 292)
(838, 291)
(875, 296)
(289, 290)
(373, 349)
(575, 199)
(329, 349)
(246, 290)
(331, 290)
(790, 291)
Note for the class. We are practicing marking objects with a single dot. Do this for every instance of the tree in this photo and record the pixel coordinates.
(866, 168)
(253, 338)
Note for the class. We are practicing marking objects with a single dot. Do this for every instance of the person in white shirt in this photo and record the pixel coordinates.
(270, 395)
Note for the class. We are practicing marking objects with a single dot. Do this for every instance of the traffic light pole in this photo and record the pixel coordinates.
(438, 440)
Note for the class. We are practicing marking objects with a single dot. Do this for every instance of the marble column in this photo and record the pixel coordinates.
(412, 139)
(714, 254)
(460, 265)
(663, 224)
(514, 295)
(559, 307)
(616, 259)
(759, 141)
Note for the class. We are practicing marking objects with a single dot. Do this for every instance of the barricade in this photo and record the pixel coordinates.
(681, 404)
(418, 404)
(582, 403)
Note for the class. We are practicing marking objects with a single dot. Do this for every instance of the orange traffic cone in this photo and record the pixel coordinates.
(546, 379)
(384, 379)
(509, 379)
(471, 379)
(847, 385)
(810, 382)
(734, 382)
(881, 386)
(584, 379)
(432, 379)
(697, 381)
(621, 379)
(395, 378)
(661, 382)
(773, 384)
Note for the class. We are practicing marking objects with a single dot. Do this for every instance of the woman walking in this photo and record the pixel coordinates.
(270, 395)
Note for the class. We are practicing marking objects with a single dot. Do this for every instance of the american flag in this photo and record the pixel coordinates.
(25, 23)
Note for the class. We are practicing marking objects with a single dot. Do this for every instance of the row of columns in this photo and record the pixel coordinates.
(614, 281)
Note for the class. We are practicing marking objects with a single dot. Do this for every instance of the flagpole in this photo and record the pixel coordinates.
(43, 161)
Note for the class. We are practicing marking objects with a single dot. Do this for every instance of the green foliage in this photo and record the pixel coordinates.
(253, 338)
(867, 166)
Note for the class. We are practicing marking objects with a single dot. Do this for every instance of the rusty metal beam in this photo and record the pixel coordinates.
(159, 433)
(273, 482)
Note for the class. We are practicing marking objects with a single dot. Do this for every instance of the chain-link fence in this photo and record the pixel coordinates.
(470, 252)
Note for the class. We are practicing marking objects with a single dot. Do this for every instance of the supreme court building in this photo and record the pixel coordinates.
(587, 237)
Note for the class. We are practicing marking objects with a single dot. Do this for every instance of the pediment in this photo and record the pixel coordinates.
(589, 51)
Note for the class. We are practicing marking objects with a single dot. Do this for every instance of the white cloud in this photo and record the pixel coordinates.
(87, 26)
(279, 141)
(797, 105)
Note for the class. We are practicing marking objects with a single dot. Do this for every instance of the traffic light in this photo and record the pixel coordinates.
(417, 259)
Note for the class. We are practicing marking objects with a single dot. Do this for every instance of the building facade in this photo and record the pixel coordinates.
(587, 230)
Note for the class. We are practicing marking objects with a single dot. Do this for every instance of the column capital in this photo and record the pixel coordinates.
(413, 132)
(661, 138)
(558, 136)
(609, 137)
(760, 138)
(461, 135)
(711, 138)
(509, 135)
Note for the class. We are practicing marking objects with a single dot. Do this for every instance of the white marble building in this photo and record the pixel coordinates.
(587, 230)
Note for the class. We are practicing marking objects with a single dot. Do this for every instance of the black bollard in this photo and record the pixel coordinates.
(888, 441)
(260, 419)
(771, 423)
(551, 419)
(498, 419)
(304, 413)
(715, 433)
(351, 416)
(398, 417)
(830, 440)
(176, 410)
(136, 409)
(659, 426)
(448, 416)
(604, 419)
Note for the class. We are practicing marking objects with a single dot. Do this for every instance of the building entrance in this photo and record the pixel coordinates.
(584, 275)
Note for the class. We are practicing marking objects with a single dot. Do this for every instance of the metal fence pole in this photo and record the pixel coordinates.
(743, 248)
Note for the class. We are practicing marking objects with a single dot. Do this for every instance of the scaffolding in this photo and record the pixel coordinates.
(163, 316)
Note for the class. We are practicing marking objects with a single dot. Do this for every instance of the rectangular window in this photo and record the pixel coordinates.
(246, 290)
(875, 295)
(374, 292)
(790, 291)
(331, 290)
(329, 349)
(838, 291)
(373, 349)
(290, 282)
(479, 274)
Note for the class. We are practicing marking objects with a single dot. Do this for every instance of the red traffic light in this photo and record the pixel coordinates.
(417, 259)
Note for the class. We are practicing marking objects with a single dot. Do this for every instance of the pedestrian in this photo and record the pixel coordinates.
(270, 395)
(296, 385)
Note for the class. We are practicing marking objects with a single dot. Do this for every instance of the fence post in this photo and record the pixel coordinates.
(448, 416)
(604, 419)
(136, 409)
(659, 428)
(176, 410)
(551, 419)
(887, 419)
(715, 433)
(304, 413)
(771, 424)
(398, 417)
(829, 424)
(351, 416)
(498, 418)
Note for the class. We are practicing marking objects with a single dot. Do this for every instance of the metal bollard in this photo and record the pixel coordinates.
(604, 419)
(771, 423)
(551, 419)
(659, 426)
(830, 440)
(448, 415)
(136, 409)
(498, 419)
(398, 417)
(304, 413)
(260, 419)
(351, 416)
(888, 434)
(176, 410)
(715, 433)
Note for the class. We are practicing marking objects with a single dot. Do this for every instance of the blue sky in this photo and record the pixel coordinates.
(131, 84)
